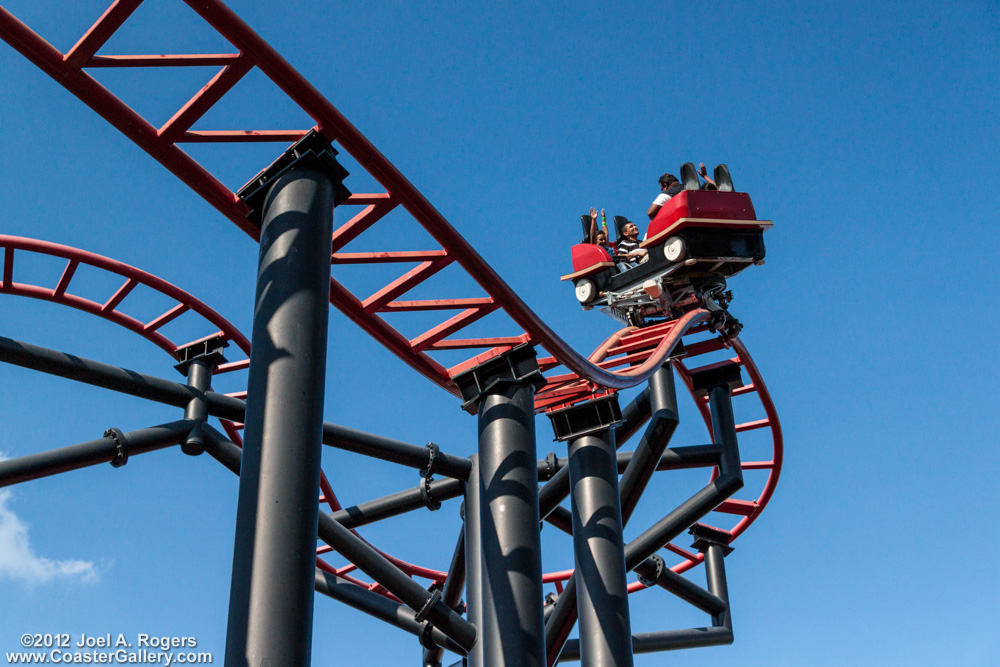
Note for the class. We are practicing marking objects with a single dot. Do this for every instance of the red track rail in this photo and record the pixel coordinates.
(163, 143)
(112, 308)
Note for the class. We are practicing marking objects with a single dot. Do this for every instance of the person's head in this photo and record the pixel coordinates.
(667, 180)
(630, 230)
(602, 238)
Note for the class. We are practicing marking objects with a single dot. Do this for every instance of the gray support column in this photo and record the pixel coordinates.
(199, 375)
(503, 545)
(271, 598)
(512, 631)
(474, 560)
(451, 593)
(602, 596)
(197, 362)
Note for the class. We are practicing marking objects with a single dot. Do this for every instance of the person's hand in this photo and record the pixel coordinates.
(593, 213)
(602, 212)
(702, 170)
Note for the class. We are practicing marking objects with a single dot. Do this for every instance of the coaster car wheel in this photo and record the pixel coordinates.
(674, 249)
(586, 290)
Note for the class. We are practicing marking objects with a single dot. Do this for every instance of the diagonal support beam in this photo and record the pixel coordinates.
(205, 99)
(106, 26)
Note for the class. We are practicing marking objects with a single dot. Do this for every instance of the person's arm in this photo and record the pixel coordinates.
(660, 200)
(704, 174)
(592, 238)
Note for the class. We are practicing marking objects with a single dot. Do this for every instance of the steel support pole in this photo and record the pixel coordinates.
(602, 595)
(271, 598)
(503, 543)
(199, 375)
(451, 594)
(664, 419)
(715, 572)
(474, 559)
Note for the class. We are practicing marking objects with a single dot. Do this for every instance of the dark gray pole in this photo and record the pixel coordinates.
(451, 594)
(602, 596)
(474, 559)
(512, 631)
(271, 598)
(199, 374)
(664, 419)
(503, 545)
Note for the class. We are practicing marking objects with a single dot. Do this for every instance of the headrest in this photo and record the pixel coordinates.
(620, 222)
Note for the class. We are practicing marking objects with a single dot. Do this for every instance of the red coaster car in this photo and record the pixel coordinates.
(697, 240)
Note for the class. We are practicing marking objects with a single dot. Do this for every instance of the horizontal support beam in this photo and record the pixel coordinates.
(94, 452)
(676, 458)
(395, 451)
(165, 60)
(168, 392)
(666, 640)
(399, 503)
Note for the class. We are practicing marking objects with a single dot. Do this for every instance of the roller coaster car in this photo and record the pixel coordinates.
(697, 240)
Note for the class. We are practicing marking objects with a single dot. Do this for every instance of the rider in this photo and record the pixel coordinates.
(628, 247)
(599, 236)
(669, 186)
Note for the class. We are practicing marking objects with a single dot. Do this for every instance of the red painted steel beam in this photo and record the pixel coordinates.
(384, 334)
(443, 304)
(377, 206)
(386, 257)
(240, 136)
(405, 283)
(431, 337)
(164, 60)
(133, 278)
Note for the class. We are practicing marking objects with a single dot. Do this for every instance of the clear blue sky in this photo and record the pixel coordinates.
(866, 131)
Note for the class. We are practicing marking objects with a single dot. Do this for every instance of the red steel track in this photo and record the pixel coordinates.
(636, 353)
(113, 308)
(252, 51)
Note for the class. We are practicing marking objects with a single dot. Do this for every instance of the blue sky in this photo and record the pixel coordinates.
(866, 131)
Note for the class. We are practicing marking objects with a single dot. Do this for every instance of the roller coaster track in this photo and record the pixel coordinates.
(626, 359)
(163, 143)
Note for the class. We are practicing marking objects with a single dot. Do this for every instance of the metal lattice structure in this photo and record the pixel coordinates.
(503, 380)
